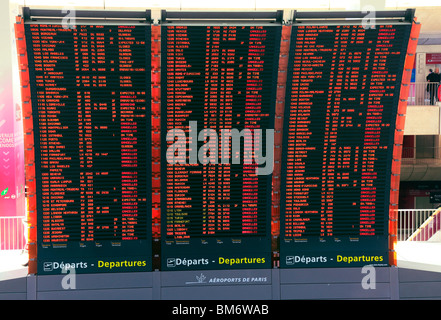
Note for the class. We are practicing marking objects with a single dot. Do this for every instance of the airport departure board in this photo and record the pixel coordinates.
(90, 88)
(189, 185)
(341, 104)
(218, 101)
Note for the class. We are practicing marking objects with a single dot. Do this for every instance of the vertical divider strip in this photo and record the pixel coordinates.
(398, 141)
(28, 133)
(156, 143)
(278, 127)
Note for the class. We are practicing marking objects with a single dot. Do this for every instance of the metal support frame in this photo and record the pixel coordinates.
(308, 16)
(267, 16)
(38, 14)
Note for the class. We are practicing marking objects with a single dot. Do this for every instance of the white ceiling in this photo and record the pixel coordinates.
(430, 19)
(428, 12)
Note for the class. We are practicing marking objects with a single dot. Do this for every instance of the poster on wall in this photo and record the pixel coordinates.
(433, 58)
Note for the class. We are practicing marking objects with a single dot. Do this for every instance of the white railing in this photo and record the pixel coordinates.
(419, 224)
(12, 235)
(423, 93)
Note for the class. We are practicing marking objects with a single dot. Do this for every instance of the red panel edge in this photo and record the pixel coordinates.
(398, 141)
(156, 126)
(28, 131)
(278, 127)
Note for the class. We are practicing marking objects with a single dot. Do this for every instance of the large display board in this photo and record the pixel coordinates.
(215, 206)
(90, 88)
(342, 95)
(242, 108)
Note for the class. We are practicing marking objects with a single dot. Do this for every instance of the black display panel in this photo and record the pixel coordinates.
(341, 105)
(91, 98)
(215, 211)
